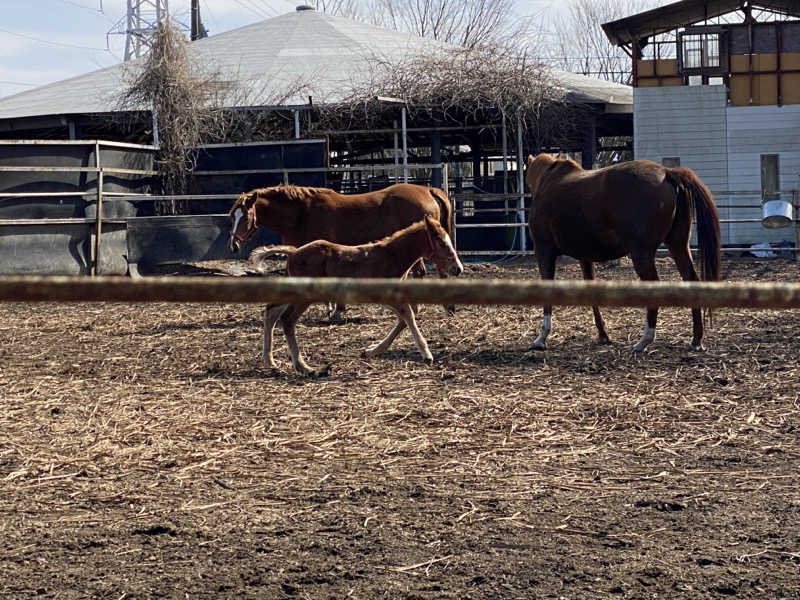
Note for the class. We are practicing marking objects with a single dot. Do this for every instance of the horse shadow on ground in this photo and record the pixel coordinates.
(196, 325)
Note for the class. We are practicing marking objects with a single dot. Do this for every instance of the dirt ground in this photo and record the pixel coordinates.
(146, 452)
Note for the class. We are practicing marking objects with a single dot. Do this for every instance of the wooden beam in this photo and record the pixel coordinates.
(261, 290)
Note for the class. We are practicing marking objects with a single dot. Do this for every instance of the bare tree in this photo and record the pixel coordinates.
(192, 103)
(181, 96)
(468, 23)
(579, 44)
(458, 86)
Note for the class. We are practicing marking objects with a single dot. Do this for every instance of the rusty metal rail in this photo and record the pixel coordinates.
(391, 291)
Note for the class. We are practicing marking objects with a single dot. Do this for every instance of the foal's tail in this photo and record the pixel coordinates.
(706, 217)
(445, 209)
(260, 255)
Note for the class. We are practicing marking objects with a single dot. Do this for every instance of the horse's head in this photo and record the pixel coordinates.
(243, 220)
(442, 252)
(535, 168)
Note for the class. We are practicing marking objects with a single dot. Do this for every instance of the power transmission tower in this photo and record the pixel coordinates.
(139, 25)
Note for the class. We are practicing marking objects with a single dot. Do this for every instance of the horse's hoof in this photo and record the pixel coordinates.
(322, 371)
(604, 341)
(697, 348)
(450, 311)
(539, 346)
(638, 348)
(429, 361)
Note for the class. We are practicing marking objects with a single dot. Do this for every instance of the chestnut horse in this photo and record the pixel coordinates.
(304, 214)
(627, 208)
(392, 256)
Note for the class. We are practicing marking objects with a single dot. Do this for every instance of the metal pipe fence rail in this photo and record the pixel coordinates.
(100, 194)
(393, 291)
(521, 210)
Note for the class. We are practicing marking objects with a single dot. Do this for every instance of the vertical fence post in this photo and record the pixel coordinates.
(405, 145)
(446, 190)
(396, 153)
(796, 219)
(98, 232)
(523, 242)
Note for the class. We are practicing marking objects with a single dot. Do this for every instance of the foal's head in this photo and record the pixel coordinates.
(440, 248)
(243, 220)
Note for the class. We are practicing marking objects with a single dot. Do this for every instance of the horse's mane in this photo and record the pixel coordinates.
(562, 166)
(401, 232)
(298, 193)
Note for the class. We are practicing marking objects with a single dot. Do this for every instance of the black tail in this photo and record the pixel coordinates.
(707, 219)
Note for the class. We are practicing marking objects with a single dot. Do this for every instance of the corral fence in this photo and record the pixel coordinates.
(96, 213)
(740, 223)
(90, 206)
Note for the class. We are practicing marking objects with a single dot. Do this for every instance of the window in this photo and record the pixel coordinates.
(467, 208)
(700, 50)
(671, 161)
(716, 81)
(692, 51)
(770, 177)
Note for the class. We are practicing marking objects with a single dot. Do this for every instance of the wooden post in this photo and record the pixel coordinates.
(263, 290)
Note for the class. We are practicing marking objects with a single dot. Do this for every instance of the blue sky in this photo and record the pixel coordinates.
(42, 41)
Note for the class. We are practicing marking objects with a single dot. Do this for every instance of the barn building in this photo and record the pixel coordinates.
(294, 62)
(717, 89)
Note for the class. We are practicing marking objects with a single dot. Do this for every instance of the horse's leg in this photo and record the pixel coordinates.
(289, 322)
(683, 260)
(587, 267)
(381, 346)
(644, 262)
(406, 314)
(418, 271)
(272, 312)
(335, 311)
(547, 270)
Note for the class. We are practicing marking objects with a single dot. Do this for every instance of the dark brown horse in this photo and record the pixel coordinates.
(390, 257)
(628, 208)
(304, 214)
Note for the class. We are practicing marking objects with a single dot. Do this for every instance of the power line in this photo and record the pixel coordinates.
(271, 11)
(20, 83)
(97, 10)
(251, 8)
(43, 41)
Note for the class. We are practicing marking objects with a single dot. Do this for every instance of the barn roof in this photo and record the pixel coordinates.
(679, 14)
(325, 51)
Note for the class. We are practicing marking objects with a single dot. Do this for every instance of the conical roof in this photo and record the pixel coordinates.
(321, 50)
(324, 52)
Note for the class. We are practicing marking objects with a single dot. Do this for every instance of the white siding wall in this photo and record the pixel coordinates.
(753, 131)
(688, 122)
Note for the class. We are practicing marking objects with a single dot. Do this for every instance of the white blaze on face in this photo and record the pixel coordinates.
(459, 266)
(237, 216)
